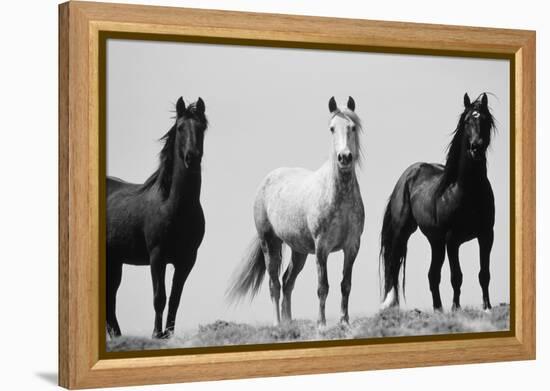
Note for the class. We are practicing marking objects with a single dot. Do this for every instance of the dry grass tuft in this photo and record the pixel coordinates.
(388, 323)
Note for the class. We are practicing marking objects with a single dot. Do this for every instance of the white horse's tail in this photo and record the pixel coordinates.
(248, 279)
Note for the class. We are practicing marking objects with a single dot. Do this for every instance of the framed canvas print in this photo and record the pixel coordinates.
(253, 195)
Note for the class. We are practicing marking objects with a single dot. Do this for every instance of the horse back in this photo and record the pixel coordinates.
(279, 207)
(114, 184)
(284, 189)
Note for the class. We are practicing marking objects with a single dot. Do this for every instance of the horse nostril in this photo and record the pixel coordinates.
(344, 158)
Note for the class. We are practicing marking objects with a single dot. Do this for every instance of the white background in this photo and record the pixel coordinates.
(28, 218)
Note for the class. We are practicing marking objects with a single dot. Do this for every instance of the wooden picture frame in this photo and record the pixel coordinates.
(81, 25)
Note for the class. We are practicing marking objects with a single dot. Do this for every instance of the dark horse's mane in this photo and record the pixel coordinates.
(163, 174)
(455, 146)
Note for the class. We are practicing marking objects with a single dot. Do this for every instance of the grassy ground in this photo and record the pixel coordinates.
(384, 324)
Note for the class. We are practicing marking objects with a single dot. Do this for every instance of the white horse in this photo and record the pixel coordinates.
(313, 212)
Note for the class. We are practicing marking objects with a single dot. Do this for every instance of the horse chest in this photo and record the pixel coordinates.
(465, 215)
(338, 224)
(176, 231)
(471, 219)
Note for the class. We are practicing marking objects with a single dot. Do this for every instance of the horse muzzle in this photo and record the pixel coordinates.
(345, 160)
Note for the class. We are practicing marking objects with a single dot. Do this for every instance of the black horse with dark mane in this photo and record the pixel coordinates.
(160, 221)
(451, 204)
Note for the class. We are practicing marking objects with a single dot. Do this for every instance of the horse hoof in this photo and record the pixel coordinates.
(157, 335)
(344, 321)
(112, 333)
(438, 310)
(168, 333)
(455, 308)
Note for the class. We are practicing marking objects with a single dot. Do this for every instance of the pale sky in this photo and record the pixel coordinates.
(268, 108)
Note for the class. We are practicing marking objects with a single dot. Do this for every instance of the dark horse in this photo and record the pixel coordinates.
(160, 221)
(451, 204)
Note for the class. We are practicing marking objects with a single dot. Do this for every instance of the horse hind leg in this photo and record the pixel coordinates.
(289, 278)
(114, 276)
(271, 247)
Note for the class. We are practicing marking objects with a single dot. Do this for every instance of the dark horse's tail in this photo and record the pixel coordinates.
(249, 277)
(396, 230)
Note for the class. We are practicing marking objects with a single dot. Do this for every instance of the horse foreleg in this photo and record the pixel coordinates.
(434, 275)
(158, 273)
(485, 246)
(272, 255)
(181, 273)
(456, 272)
(114, 276)
(349, 258)
(289, 278)
(322, 284)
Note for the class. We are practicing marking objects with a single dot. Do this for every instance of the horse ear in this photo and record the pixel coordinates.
(180, 107)
(351, 104)
(200, 106)
(332, 105)
(484, 100)
(466, 100)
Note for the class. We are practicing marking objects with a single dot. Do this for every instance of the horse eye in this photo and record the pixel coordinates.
(353, 128)
(332, 129)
